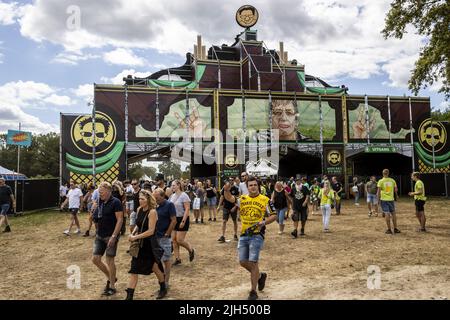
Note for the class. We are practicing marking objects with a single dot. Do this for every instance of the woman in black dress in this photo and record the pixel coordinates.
(149, 257)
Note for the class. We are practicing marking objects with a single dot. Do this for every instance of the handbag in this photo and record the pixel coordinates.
(135, 246)
(196, 204)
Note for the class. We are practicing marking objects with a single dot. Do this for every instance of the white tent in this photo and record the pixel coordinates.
(11, 175)
(262, 167)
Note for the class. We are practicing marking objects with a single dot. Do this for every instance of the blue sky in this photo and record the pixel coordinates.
(49, 59)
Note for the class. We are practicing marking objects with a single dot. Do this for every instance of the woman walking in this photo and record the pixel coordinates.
(148, 258)
(326, 196)
(199, 201)
(281, 201)
(211, 200)
(181, 201)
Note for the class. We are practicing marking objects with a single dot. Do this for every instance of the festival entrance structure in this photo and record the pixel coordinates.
(221, 108)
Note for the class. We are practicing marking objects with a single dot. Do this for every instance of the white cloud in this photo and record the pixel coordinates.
(399, 70)
(85, 91)
(73, 58)
(123, 56)
(444, 105)
(333, 38)
(118, 79)
(18, 98)
(10, 12)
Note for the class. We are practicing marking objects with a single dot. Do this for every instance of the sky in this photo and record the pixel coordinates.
(52, 51)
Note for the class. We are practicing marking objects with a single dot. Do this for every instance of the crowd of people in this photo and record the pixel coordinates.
(158, 217)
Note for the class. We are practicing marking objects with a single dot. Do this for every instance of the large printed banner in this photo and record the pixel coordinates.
(382, 114)
(432, 148)
(78, 141)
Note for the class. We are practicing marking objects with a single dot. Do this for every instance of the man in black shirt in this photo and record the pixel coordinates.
(110, 218)
(300, 197)
(337, 188)
(6, 198)
(229, 199)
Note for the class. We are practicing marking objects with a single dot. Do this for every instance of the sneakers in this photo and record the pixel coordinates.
(253, 295)
(209, 219)
(215, 220)
(370, 214)
(294, 233)
(396, 230)
(388, 231)
(236, 238)
(196, 220)
(86, 234)
(221, 239)
(191, 255)
(66, 232)
(177, 262)
(77, 231)
(302, 232)
(201, 221)
(262, 281)
(280, 232)
(7, 229)
(421, 230)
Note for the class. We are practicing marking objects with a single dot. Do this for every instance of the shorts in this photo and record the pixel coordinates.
(101, 246)
(249, 247)
(300, 215)
(419, 205)
(166, 244)
(4, 208)
(186, 225)
(227, 213)
(73, 211)
(388, 206)
(130, 205)
(372, 198)
(211, 202)
(133, 217)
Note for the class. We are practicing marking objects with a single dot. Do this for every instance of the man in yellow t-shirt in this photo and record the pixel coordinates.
(419, 200)
(254, 207)
(386, 192)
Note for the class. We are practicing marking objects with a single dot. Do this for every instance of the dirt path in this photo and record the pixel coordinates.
(35, 256)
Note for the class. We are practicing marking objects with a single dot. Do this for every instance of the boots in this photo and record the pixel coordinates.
(162, 290)
(7, 229)
(130, 294)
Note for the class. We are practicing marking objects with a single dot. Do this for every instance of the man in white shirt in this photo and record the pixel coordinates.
(243, 185)
(74, 198)
(63, 193)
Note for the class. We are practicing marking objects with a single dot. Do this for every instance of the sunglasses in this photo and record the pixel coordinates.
(134, 184)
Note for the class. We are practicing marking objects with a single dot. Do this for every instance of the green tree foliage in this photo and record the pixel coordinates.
(170, 168)
(136, 171)
(431, 18)
(41, 159)
(441, 115)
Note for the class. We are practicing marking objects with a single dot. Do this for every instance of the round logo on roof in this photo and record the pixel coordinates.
(247, 16)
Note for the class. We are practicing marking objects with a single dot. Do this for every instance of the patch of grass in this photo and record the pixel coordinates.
(33, 219)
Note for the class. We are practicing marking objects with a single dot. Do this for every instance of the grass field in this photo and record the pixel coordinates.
(35, 257)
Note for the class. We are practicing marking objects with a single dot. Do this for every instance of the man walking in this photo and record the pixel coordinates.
(337, 188)
(110, 219)
(371, 192)
(419, 200)
(6, 199)
(229, 200)
(254, 208)
(385, 193)
(300, 197)
(164, 227)
(74, 198)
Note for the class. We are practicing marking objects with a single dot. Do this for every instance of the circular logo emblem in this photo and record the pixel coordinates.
(83, 137)
(334, 158)
(432, 135)
(231, 161)
(247, 16)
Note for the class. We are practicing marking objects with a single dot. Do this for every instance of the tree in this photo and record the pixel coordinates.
(40, 159)
(136, 171)
(170, 168)
(431, 18)
(439, 115)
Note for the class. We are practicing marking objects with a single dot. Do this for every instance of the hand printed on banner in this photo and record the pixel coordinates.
(359, 126)
(197, 127)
